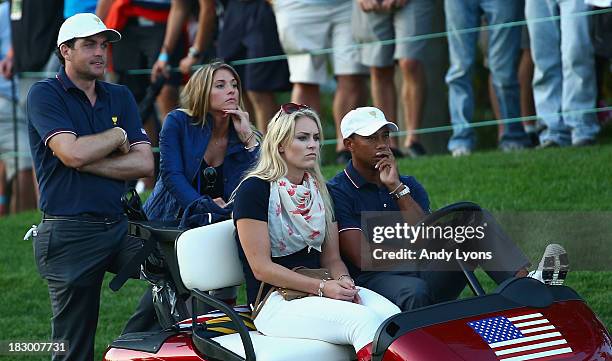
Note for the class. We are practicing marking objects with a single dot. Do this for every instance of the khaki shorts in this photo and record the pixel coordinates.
(303, 28)
(412, 20)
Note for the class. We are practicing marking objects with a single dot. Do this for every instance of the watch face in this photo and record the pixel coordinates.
(403, 192)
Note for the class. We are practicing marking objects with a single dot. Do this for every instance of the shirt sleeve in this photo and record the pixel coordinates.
(344, 209)
(131, 121)
(251, 200)
(47, 112)
(418, 193)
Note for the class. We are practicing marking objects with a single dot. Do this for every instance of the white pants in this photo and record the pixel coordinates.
(326, 319)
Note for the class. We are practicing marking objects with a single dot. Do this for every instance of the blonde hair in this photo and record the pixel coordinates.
(271, 166)
(195, 97)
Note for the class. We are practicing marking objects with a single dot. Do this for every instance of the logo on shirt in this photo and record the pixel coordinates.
(114, 119)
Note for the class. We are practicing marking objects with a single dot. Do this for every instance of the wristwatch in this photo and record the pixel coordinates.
(402, 193)
(194, 52)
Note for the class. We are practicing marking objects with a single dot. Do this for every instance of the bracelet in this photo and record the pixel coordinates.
(193, 52)
(396, 188)
(249, 138)
(251, 147)
(321, 287)
(163, 57)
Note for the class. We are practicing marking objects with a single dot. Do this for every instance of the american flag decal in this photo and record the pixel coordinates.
(523, 337)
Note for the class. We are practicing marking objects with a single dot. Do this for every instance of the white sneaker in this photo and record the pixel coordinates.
(461, 152)
(553, 267)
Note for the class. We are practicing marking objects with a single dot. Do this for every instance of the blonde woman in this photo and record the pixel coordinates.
(284, 219)
(205, 148)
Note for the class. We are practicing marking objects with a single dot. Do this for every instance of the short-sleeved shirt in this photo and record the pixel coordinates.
(352, 195)
(251, 201)
(55, 106)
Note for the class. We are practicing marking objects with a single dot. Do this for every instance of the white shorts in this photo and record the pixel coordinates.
(311, 27)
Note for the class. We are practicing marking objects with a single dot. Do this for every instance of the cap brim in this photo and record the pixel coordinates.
(112, 36)
(374, 127)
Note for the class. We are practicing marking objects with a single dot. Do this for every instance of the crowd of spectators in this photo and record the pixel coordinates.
(547, 68)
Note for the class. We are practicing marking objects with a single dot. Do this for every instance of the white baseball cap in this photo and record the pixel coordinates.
(364, 121)
(83, 25)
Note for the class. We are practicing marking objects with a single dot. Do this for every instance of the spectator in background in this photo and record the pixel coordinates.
(33, 36)
(503, 57)
(177, 20)
(143, 24)
(17, 189)
(602, 43)
(249, 31)
(310, 25)
(375, 20)
(525, 79)
(564, 79)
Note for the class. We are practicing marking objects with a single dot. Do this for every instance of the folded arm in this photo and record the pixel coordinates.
(77, 152)
(137, 163)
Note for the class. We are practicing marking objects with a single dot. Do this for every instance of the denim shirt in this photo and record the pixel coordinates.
(182, 146)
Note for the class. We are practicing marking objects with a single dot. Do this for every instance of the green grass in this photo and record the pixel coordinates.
(557, 179)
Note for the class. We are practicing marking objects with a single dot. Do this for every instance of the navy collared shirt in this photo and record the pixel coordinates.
(352, 194)
(55, 106)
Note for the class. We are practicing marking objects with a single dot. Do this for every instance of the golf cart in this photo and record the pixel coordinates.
(523, 319)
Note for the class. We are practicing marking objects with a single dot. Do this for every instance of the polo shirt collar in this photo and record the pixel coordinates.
(353, 176)
(67, 84)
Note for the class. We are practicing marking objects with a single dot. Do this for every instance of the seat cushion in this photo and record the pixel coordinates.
(269, 348)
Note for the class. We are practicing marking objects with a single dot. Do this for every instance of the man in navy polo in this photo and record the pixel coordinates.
(371, 183)
(86, 140)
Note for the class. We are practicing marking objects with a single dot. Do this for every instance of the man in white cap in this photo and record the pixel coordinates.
(86, 140)
(371, 183)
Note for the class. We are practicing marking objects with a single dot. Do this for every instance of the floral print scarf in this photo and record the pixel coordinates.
(296, 216)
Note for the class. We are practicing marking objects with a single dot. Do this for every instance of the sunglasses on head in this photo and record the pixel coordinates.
(289, 108)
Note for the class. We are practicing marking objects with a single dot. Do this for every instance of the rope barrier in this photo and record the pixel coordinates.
(431, 130)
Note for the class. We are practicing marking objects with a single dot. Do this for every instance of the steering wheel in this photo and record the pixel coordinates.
(457, 214)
